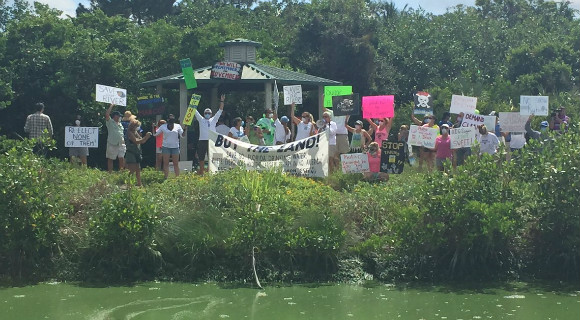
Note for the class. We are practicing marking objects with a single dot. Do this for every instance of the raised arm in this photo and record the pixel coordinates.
(349, 128)
(108, 112)
(295, 119)
(372, 124)
(136, 140)
(415, 120)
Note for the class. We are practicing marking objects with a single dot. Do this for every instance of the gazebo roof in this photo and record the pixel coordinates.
(252, 73)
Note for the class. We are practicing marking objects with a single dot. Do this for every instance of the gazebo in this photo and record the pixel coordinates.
(252, 77)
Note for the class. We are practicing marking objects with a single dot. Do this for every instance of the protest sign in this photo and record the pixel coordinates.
(188, 76)
(226, 70)
(463, 104)
(512, 122)
(292, 94)
(331, 91)
(193, 103)
(423, 103)
(423, 136)
(307, 157)
(536, 105)
(462, 137)
(354, 162)
(393, 157)
(112, 95)
(378, 107)
(150, 105)
(346, 105)
(81, 137)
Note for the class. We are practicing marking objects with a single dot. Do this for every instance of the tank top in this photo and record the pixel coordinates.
(381, 135)
(374, 162)
(303, 130)
(356, 142)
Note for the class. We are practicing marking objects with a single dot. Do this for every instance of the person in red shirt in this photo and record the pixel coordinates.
(443, 148)
(375, 173)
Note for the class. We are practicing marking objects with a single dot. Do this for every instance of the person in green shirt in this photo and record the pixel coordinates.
(254, 132)
(268, 127)
(115, 140)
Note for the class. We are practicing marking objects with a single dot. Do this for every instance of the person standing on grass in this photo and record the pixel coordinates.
(172, 132)
(331, 127)
(443, 149)
(38, 126)
(360, 137)
(267, 127)
(115, 141)
(78, 152)
(488, 141)
(426, 154)
(304, 126)
(158, 144)
(374, 156)
(134, 142)
(206, 123)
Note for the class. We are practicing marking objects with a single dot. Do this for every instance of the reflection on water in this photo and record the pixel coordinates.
(210, 301)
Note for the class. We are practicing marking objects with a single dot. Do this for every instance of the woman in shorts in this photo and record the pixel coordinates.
(170, 147)
(133, 155)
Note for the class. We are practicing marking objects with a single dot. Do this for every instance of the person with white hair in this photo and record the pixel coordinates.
(331, 127)
(206, 123)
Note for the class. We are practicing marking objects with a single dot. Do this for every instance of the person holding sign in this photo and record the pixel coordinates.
(304, 127)
(254, 132)
(375, 173)
(268, 128)
(134, 142)
(115, 140)
(360, 137)
(426, 154)
(381, 130)
(170, 147)
(333, 155)
(206, 123)
(488, 141)
(282, 133)
(443, 148)
(78, 152)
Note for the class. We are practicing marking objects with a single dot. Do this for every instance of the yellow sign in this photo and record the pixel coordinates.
(189, 116)
(194, 102)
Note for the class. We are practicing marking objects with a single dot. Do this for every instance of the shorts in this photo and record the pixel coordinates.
(439, 163)
(333, 151)
(78, 152)
(158, 150)
(342, 143)
(116, 151)
(131, 157)
(165, 150)
(202, 146)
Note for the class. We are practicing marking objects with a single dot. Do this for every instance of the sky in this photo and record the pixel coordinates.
(434, 6)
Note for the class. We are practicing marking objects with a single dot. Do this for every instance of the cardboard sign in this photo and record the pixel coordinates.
(346, 105)
(75, 137)
(423, 103)
(331, 91)
(188, 76)
(292, 94)
(536, 105)
(190, 114)
(423, 136)
(354, 162)
(462, 137)
(378, 107)
(150, 105)
(393, 157)
(512, 122)
(226, 70)
(112, 95)
(463, 104)
(194, 101)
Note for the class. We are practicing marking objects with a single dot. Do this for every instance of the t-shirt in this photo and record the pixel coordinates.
(340, 123)
(443, 147)
(237, 134)
(303, 130)
(518, 140)
(374, 162)
(331, 128)
(170, 137)
(488, 143)
(222, 129)
(115, 129)
(268, 124)
(206, 124)
(280, 134)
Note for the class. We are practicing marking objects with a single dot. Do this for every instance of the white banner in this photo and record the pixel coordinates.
(112, 95)
(536, 105)
(462, 137)
(307, 157)
(475, 120)
(354, 162)
(512, 122)
(292, 94)
(423, 136)
(81, 137)
(463, 104)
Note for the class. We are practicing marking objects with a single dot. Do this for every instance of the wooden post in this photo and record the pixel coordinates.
(268, 95)
(182, 112)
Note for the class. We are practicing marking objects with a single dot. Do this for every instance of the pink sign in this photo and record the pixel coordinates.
(378, 107)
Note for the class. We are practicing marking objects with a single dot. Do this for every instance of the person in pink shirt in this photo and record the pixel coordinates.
(380, 129)
(375, 173)
(443, 149)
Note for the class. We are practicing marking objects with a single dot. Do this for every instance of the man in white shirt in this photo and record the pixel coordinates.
(331, 127)
(488, 141)
(221, 128)
(206, 123)
(342, 144)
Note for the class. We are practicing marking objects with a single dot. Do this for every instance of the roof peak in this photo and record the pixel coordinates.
(240, 41)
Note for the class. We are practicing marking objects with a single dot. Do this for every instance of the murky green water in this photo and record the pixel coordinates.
(210, 301)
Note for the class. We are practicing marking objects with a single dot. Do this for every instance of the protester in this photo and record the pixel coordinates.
(267, 127)
(170, 148)
(559, 121)
(342, 144)
(488, 141)
(78, 152)
(282, 134)
(381, 130)
(206, 123)
(403, 136)
(333, 155)
(221, 128)
(360, 137)
(446, 119)
(237, 131)
(462, 153)
(305, 126)
(426, 154)
(374, 158)
(133, 156)
(533, 134)
(38, 126)
(115, 141)
(443, 148)
(158, 144)
(127, 118)
(254, 132)
(517, 142)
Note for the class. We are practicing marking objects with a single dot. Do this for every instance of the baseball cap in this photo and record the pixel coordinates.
(284, 119)
(445, 125)
(360, 123)
(115, 114)
(207, 110)
(544, 124)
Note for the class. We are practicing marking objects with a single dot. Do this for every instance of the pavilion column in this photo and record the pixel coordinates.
(320, 101)
(182, 112)
(268, 95)
(159, 91)
(214, 98)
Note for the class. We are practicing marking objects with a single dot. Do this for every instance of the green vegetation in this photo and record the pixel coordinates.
(489, 219)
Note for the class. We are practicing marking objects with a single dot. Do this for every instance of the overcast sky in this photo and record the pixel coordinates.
(434, 6)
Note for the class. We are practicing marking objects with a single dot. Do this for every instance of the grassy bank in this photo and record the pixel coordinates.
(489, 219)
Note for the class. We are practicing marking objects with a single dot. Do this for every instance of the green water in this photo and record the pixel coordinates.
(210, 301)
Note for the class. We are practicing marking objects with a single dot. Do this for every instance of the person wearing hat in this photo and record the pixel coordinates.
(115, 139)
(207, 122)
(488, 141)
(533, 134)
(282, 133)
(360, 137)
(443, 149)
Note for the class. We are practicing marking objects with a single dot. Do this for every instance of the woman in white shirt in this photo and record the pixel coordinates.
(170, 147)
(304, 127)
(237, 131)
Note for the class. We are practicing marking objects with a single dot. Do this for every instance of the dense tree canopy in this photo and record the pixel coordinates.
(497, 50)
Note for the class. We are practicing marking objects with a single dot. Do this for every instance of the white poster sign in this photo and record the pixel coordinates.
(536, 105)
(354, 162)
(462, 137)
(112, 95)
(475, 120)
(307, 157)
(463, 104)
(81, 137)
(292, 94)
(512, 122)
(423, 136)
